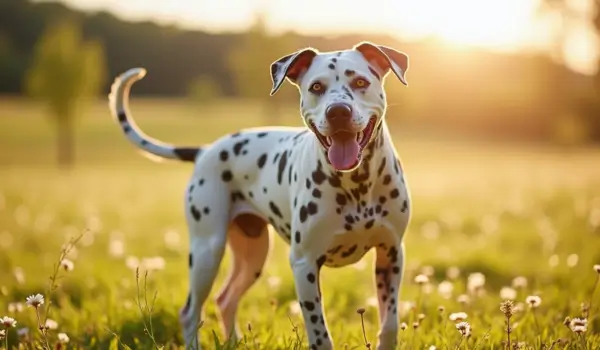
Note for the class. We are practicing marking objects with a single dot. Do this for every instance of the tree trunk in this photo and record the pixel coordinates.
(65, 146)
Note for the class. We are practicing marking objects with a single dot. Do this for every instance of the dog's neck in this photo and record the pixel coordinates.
(371, 165)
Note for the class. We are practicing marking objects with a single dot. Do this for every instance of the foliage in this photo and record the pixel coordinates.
(66, 70)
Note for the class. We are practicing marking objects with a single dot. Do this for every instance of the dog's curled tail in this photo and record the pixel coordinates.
(118, 101)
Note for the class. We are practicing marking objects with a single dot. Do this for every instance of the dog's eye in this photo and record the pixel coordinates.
(316, 88)
(360, 83)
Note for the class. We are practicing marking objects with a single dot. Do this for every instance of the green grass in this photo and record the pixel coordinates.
(504, 210)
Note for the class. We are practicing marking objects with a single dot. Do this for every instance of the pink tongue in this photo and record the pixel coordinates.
(343, 153)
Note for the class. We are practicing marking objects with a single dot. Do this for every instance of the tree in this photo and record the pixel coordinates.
(249, 62)
(66, 72)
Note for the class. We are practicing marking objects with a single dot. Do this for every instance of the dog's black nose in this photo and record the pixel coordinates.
(338, 112)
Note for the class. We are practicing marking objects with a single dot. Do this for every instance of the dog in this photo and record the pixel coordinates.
(333, 190)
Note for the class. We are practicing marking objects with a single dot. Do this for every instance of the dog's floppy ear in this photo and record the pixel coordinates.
(291, 67)
(385, 58)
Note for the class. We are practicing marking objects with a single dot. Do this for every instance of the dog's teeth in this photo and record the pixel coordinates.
(329, 140)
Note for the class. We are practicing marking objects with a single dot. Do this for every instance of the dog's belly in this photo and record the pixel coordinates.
(349, 247)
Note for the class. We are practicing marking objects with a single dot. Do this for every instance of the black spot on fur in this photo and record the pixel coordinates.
(381, 167)
(350, 251)
(237, 195)
(297, 236)
(312, 208)
(316, 193)
(303, 214)
(349, 219)
(122, 116)
(275, 210)
(369, 224)
(206, 210)
(381, 96)
(404, 206)
(309, 305)
(349, 72)
(340, 199)
(227, 176)
(321, 261)
(190, 260)
(395, 193)
(186, 154)
(224, 155)
(331, 66)
(314, 319)
(281, 167)
(237, 147)
(387, 179)
(307, 184)
(396, 270)
(262, 160)
(334, 60)
(382, 199)
(262, 134)
(195, 213)
(200, 182)
(311, 277)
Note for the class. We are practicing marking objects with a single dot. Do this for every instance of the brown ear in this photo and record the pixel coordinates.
(385, 58)
(291, 67)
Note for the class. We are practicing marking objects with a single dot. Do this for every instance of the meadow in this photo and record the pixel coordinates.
(491, 221)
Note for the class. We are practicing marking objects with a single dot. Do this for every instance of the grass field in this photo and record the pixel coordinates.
(502, 210)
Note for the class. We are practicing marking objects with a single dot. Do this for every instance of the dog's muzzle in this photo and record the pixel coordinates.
(345, 143)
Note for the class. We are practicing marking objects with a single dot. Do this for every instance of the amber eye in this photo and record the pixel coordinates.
(360, 83)
(316, 88)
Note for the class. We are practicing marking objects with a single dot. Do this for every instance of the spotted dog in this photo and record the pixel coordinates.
(333, 190)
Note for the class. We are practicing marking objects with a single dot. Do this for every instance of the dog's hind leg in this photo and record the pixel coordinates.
(208, 220)
(250, 243)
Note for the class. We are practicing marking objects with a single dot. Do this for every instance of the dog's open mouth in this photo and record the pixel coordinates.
(344, 148)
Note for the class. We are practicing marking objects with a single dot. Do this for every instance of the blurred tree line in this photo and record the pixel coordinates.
(525, 95)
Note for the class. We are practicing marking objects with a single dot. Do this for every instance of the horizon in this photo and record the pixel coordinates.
(502, 26)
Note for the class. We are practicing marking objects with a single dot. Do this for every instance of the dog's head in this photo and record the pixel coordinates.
(342, 95)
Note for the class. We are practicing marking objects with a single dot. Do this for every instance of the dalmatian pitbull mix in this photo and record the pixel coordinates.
(333, 190)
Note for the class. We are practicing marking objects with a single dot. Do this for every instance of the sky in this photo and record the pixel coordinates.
(505, 25)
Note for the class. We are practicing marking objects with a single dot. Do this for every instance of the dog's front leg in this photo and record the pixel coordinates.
(389, 268)
(306, 267)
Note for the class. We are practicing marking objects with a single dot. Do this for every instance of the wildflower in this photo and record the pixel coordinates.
(464, 328)
(360, 311)
(67, 264)
(475, 281)
(534, 301)
(35, 300)
(519, 282)
(421, 279)
(274, 281)
(507, 308)
(453, 272)
(445, 289)
(23, 332)
(421, 317)
(572, 260)
(428, 270)
(567, 321)
(597, 268)
(8, 322)
(2, 334)
(295, 308)
(15, 307)
(403, 326)
(441, 309)
(458, 316)
(51, 324)
(578, 325)
(63, 338)
(507, 293)
(432, 347)
(415, 325)
(463, 299)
